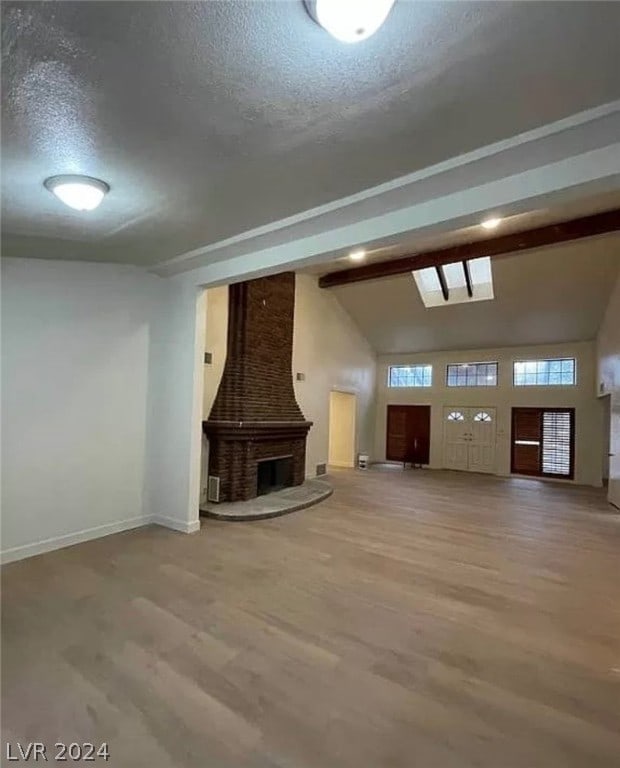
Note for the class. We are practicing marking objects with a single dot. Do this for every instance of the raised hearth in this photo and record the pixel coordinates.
(270, 505)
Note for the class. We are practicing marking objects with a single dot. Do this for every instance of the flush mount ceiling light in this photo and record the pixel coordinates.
(491, 223)
(358, 255)
(79, 192)
(349, 21)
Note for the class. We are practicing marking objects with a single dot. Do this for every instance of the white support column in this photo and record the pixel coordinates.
(175, 408)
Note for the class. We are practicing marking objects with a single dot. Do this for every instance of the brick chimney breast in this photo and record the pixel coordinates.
(255, 415)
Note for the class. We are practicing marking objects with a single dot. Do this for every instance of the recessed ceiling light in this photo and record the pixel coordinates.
(491, 223)
(79, 192)
(358, 255)
(349, 21)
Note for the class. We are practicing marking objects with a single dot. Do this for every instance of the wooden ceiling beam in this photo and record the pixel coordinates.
(442, 283)
(466, 272)
(504, 245)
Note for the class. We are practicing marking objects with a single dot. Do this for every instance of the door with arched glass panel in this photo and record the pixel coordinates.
(456, 429)
(482, 444)
(469, 438)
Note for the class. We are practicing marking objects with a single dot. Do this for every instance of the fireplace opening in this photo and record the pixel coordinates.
(274, 474)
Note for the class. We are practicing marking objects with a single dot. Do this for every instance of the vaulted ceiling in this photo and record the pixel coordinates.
(545, 296)
(210, 118)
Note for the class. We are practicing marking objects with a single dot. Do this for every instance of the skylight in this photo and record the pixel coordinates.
(455, 283)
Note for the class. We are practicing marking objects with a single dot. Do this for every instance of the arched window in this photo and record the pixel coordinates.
(483, 416)
(456, 416)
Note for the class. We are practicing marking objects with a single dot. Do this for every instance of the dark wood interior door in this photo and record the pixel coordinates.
(408, 436)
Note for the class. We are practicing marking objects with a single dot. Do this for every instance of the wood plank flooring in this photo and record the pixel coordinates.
(415, 618)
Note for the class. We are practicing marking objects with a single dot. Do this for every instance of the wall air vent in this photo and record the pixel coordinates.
(456, 283)
(321, 469)
(213, 488)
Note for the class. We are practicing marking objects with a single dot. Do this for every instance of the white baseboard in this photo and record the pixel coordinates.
(177, 525)
(69, 539)
(58, 542)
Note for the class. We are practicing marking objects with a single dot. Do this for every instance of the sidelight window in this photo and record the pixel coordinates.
(556, 443)
(543, 441)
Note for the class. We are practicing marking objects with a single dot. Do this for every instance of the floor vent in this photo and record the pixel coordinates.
(213, 488)
(321, 469)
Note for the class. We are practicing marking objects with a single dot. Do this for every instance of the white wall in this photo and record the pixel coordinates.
(608, 381)
(327, 347)
(100, 410)
(588, 421)
(608, 346)
(175, 407)
(216, 334)
(75, 357)
(332, 353)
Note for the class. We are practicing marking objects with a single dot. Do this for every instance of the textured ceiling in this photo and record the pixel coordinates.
(210, 118)
(545, 296)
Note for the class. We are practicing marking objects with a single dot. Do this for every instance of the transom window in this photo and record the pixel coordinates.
(544, 373)
(472, 375)
(483, 416)
(456, 416)
(410, 376)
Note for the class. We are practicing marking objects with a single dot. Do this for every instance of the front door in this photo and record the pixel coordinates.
(456, 438)
(469, 439)
(482, 444)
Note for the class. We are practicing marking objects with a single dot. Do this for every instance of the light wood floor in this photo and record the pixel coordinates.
(417, 619)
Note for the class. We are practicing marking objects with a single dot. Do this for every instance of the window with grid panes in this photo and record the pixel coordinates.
(472, 375)
(410, 376)
(554, 372)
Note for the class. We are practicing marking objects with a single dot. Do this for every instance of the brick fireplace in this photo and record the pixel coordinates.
(255, 417)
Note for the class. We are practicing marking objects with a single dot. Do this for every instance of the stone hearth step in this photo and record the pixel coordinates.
(271, 504)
